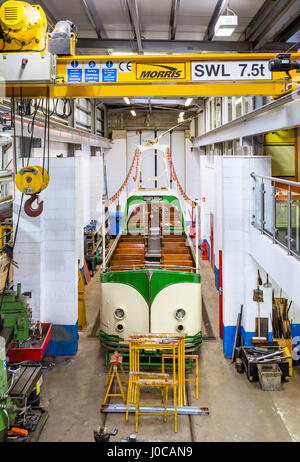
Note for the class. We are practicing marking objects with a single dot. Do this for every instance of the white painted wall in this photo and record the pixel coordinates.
(56, 149)
(226, 192)
(239, 269)
(211, 192)
(284, 270)
(116, 169)
(48, 247)
(192, 172)
(227, 187)
(58, 257)
(89, 188)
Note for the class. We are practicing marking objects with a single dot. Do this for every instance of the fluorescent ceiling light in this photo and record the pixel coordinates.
(188, 101)
(126, 100)
(225, 25)
(133, 113)
(224, 32)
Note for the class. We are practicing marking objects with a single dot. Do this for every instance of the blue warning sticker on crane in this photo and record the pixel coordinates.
(109, 71)
(74, 71)
(92, 72)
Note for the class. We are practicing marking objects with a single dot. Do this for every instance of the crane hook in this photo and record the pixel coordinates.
(28, 206)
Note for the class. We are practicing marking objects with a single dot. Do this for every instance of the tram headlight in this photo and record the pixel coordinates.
(180, 314)
(119, 314)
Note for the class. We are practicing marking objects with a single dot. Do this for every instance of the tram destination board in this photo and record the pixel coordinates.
(152, 198)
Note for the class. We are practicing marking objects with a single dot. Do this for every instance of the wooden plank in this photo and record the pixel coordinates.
(86, 273)
(178, 262)
(127, 257)
(126, 262)
(133, 239)
(180, 250)
(128, 245)
(173, 238)
(264, 327)
(180, 256)
(129, 251)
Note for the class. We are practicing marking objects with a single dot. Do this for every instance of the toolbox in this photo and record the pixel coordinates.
(251, 367)
(32, 352)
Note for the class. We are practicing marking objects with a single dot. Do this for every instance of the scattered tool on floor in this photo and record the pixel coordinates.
(18, 431)
(131, 439)
(101, 435)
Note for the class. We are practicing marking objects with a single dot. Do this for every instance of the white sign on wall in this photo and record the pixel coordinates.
(230, 70)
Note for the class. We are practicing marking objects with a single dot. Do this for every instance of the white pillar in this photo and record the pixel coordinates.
(197, 237)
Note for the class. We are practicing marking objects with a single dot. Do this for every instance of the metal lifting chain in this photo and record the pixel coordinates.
(174, 177)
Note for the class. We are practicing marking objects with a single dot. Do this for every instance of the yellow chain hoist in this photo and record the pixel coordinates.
(24, 27)
(31, 180)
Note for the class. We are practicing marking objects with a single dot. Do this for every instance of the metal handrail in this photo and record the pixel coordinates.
(277, 180)
(273, 230)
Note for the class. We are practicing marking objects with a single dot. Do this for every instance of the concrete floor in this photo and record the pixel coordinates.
(73, 391)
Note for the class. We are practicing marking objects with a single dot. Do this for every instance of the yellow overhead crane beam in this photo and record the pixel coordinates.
(164, 75)
(37, 64)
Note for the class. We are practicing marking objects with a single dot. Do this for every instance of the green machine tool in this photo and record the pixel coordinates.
(16, 314)
(7, 408)
(16, 385)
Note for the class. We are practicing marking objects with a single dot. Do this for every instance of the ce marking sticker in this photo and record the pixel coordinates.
(125, 66)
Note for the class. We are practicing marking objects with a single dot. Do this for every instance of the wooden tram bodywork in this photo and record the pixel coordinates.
(150, 282)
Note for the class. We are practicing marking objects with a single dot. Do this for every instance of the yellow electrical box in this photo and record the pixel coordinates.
(24, 27)
(32, 179)
(290, 360)
(280, 137)
(6, 235)
(280, 145)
